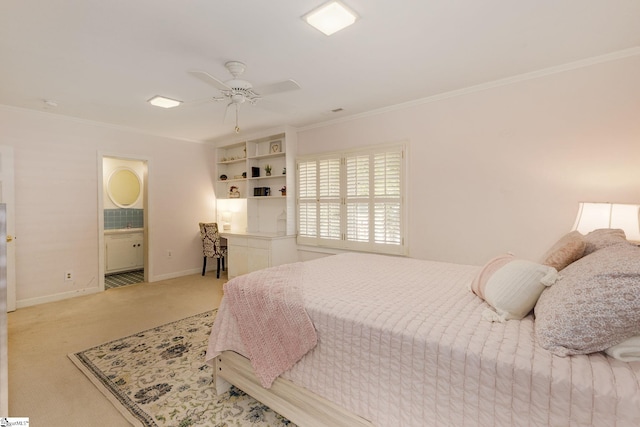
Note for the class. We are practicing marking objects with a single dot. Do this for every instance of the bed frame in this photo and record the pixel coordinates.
(296, 403)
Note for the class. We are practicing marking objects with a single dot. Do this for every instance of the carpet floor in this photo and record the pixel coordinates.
(158, 377)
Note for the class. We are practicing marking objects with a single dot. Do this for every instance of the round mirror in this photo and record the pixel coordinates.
(124, 187)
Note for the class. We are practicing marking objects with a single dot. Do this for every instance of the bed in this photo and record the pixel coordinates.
(404, 342)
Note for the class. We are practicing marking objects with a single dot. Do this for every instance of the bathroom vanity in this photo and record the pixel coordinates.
(124, 250)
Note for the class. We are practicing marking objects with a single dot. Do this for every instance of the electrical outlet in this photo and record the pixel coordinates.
(68, 276)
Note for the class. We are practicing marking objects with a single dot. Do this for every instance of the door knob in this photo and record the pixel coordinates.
(9, 238)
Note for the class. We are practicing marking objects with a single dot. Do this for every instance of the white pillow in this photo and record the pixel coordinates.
(514, 288)
(627, 351)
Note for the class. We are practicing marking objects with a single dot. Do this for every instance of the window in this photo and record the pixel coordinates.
(353, 200)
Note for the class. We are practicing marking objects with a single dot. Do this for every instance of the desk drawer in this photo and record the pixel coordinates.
(259, 243)
(236, 241)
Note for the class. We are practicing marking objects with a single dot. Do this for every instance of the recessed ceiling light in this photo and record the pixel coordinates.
(161, 101)
(331, 17)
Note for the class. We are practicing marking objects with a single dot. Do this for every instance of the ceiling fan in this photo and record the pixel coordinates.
(238, 91)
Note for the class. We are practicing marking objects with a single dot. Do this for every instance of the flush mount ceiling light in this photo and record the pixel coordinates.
(331, 17)
(161, 101)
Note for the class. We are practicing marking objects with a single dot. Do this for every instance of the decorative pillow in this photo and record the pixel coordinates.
(568, 249)
(594, 305)
(602, 238)
(479, 283)
(511, 286)
(627, 351)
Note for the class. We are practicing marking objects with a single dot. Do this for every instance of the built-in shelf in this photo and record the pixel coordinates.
(240, 158)
(230, 162)
(255, 178)
(232, 180)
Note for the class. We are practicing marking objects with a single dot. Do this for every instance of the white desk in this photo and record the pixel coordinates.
(249, 252)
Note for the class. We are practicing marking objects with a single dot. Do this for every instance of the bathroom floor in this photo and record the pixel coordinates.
(123, 279)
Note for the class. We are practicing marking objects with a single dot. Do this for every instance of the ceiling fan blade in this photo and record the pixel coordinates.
(209, 79)
(197, 102)
(279, 87)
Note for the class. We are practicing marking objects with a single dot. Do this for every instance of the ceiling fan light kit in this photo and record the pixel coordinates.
(238, 91)
(331, 17)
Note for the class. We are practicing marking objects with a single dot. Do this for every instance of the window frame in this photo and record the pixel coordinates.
(342, 242)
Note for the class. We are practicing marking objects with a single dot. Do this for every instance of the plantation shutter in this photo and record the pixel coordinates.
(329, 198)
(357, 200)
(387, 198)
(307, 206)
(353, 200)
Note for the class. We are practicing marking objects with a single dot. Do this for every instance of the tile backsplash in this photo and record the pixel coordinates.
(123, 218)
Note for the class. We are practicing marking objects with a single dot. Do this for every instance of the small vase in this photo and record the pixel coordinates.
(268, 173)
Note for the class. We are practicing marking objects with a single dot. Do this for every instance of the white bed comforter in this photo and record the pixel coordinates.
(401, 342)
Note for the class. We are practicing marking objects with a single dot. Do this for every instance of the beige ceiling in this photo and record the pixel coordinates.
(101, 60)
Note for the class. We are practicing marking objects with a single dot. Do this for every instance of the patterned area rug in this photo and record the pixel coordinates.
(159, 378)
(123, 279)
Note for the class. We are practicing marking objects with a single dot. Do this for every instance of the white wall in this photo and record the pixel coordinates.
(503, 169)
(56, 178)
(495, 170)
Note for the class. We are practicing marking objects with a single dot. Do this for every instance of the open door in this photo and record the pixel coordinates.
(7, 196)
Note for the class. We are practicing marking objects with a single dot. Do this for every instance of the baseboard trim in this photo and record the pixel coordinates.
(175, 274)
(56, 297)
(87, 291)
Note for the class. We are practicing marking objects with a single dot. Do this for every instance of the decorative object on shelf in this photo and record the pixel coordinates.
(244, 174)
(223, 177)
(262, 191)
(275, 147)
(255, 172)
(234, 193)
(284, 171)
(283, 190)
(267, 169)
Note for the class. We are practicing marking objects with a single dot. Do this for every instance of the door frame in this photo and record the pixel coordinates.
(145, 206)
(7, 170)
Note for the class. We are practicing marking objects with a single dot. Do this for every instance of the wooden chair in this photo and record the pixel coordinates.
(212, 247)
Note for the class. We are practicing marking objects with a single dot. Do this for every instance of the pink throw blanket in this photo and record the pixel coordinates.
(274, 326)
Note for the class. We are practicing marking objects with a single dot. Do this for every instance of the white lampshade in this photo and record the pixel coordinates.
(226, 217)
(593, 216)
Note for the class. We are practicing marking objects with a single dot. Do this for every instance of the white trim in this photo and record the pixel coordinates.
(609, 57)
(146, 202)
(101, 124)
(176, 274)
(343, 242)
(58, 297)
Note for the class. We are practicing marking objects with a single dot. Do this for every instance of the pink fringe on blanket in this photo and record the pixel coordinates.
(274, 326)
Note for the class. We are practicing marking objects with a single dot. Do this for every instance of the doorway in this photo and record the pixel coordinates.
(7, 196)
(123, 218)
